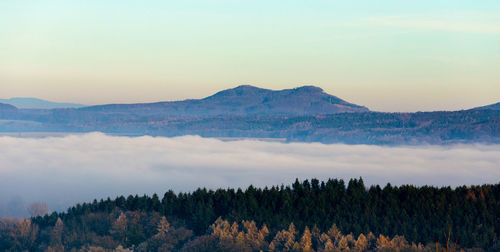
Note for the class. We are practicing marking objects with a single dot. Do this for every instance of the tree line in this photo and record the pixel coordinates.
(411, 215)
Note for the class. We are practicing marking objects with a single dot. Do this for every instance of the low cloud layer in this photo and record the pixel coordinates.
(77, 168)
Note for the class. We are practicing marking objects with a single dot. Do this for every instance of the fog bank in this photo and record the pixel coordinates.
(77, 168)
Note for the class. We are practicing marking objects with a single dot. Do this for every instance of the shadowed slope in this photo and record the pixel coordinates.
(35, 103)
(7, 107)
(495, 106)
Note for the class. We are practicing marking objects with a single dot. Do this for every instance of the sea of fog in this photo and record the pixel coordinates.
(62, 170)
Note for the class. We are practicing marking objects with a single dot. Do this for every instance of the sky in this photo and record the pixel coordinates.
(79, 168)
(386, 55)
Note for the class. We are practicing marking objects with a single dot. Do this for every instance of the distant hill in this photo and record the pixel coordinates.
(6, 111)
(6, 107)
(495, 106)
(304, 114)
(245, 100)
(35, 103)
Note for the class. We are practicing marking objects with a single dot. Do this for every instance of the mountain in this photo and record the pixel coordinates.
(245, 100)
(35, 103)
(6, 111)
(495, 106)
(7, 107)
(304, 114)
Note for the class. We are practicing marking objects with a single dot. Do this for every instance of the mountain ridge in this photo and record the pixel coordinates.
(494, 106)
(303, 114)
(244, 100)
(5, 106)
(37, 103)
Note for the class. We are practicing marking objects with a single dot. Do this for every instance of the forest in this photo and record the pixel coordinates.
(439, 127)
(309, 215)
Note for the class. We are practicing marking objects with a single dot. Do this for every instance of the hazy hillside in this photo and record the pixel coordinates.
(35, 103)
(6, 111)
(305, 114)
(244, 100)
(495, 106)
(7, 107)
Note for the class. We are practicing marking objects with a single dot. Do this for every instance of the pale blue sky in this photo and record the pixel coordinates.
(386, 55)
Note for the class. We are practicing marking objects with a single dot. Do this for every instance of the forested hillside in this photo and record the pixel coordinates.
(304, 114)
(471, 126)
(262, 218)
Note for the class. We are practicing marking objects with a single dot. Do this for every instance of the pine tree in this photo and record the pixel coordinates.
(290, 241)
(334, 233)
(263, 232)
(252, 232)
(316, 234)
(305, 241)
(399, 242)
(221, 229)
(343, 244)
(291, 229)
(163, 226)
(283, 240)
(234, 229)
(296, 247)
(56, 234)
(350, 239)
(361, 243)
(383, 242)
(240, 238)
(329, 245)
(119, 227)
(371, 239)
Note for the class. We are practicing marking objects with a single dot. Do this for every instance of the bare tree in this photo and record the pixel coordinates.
(38, 209)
